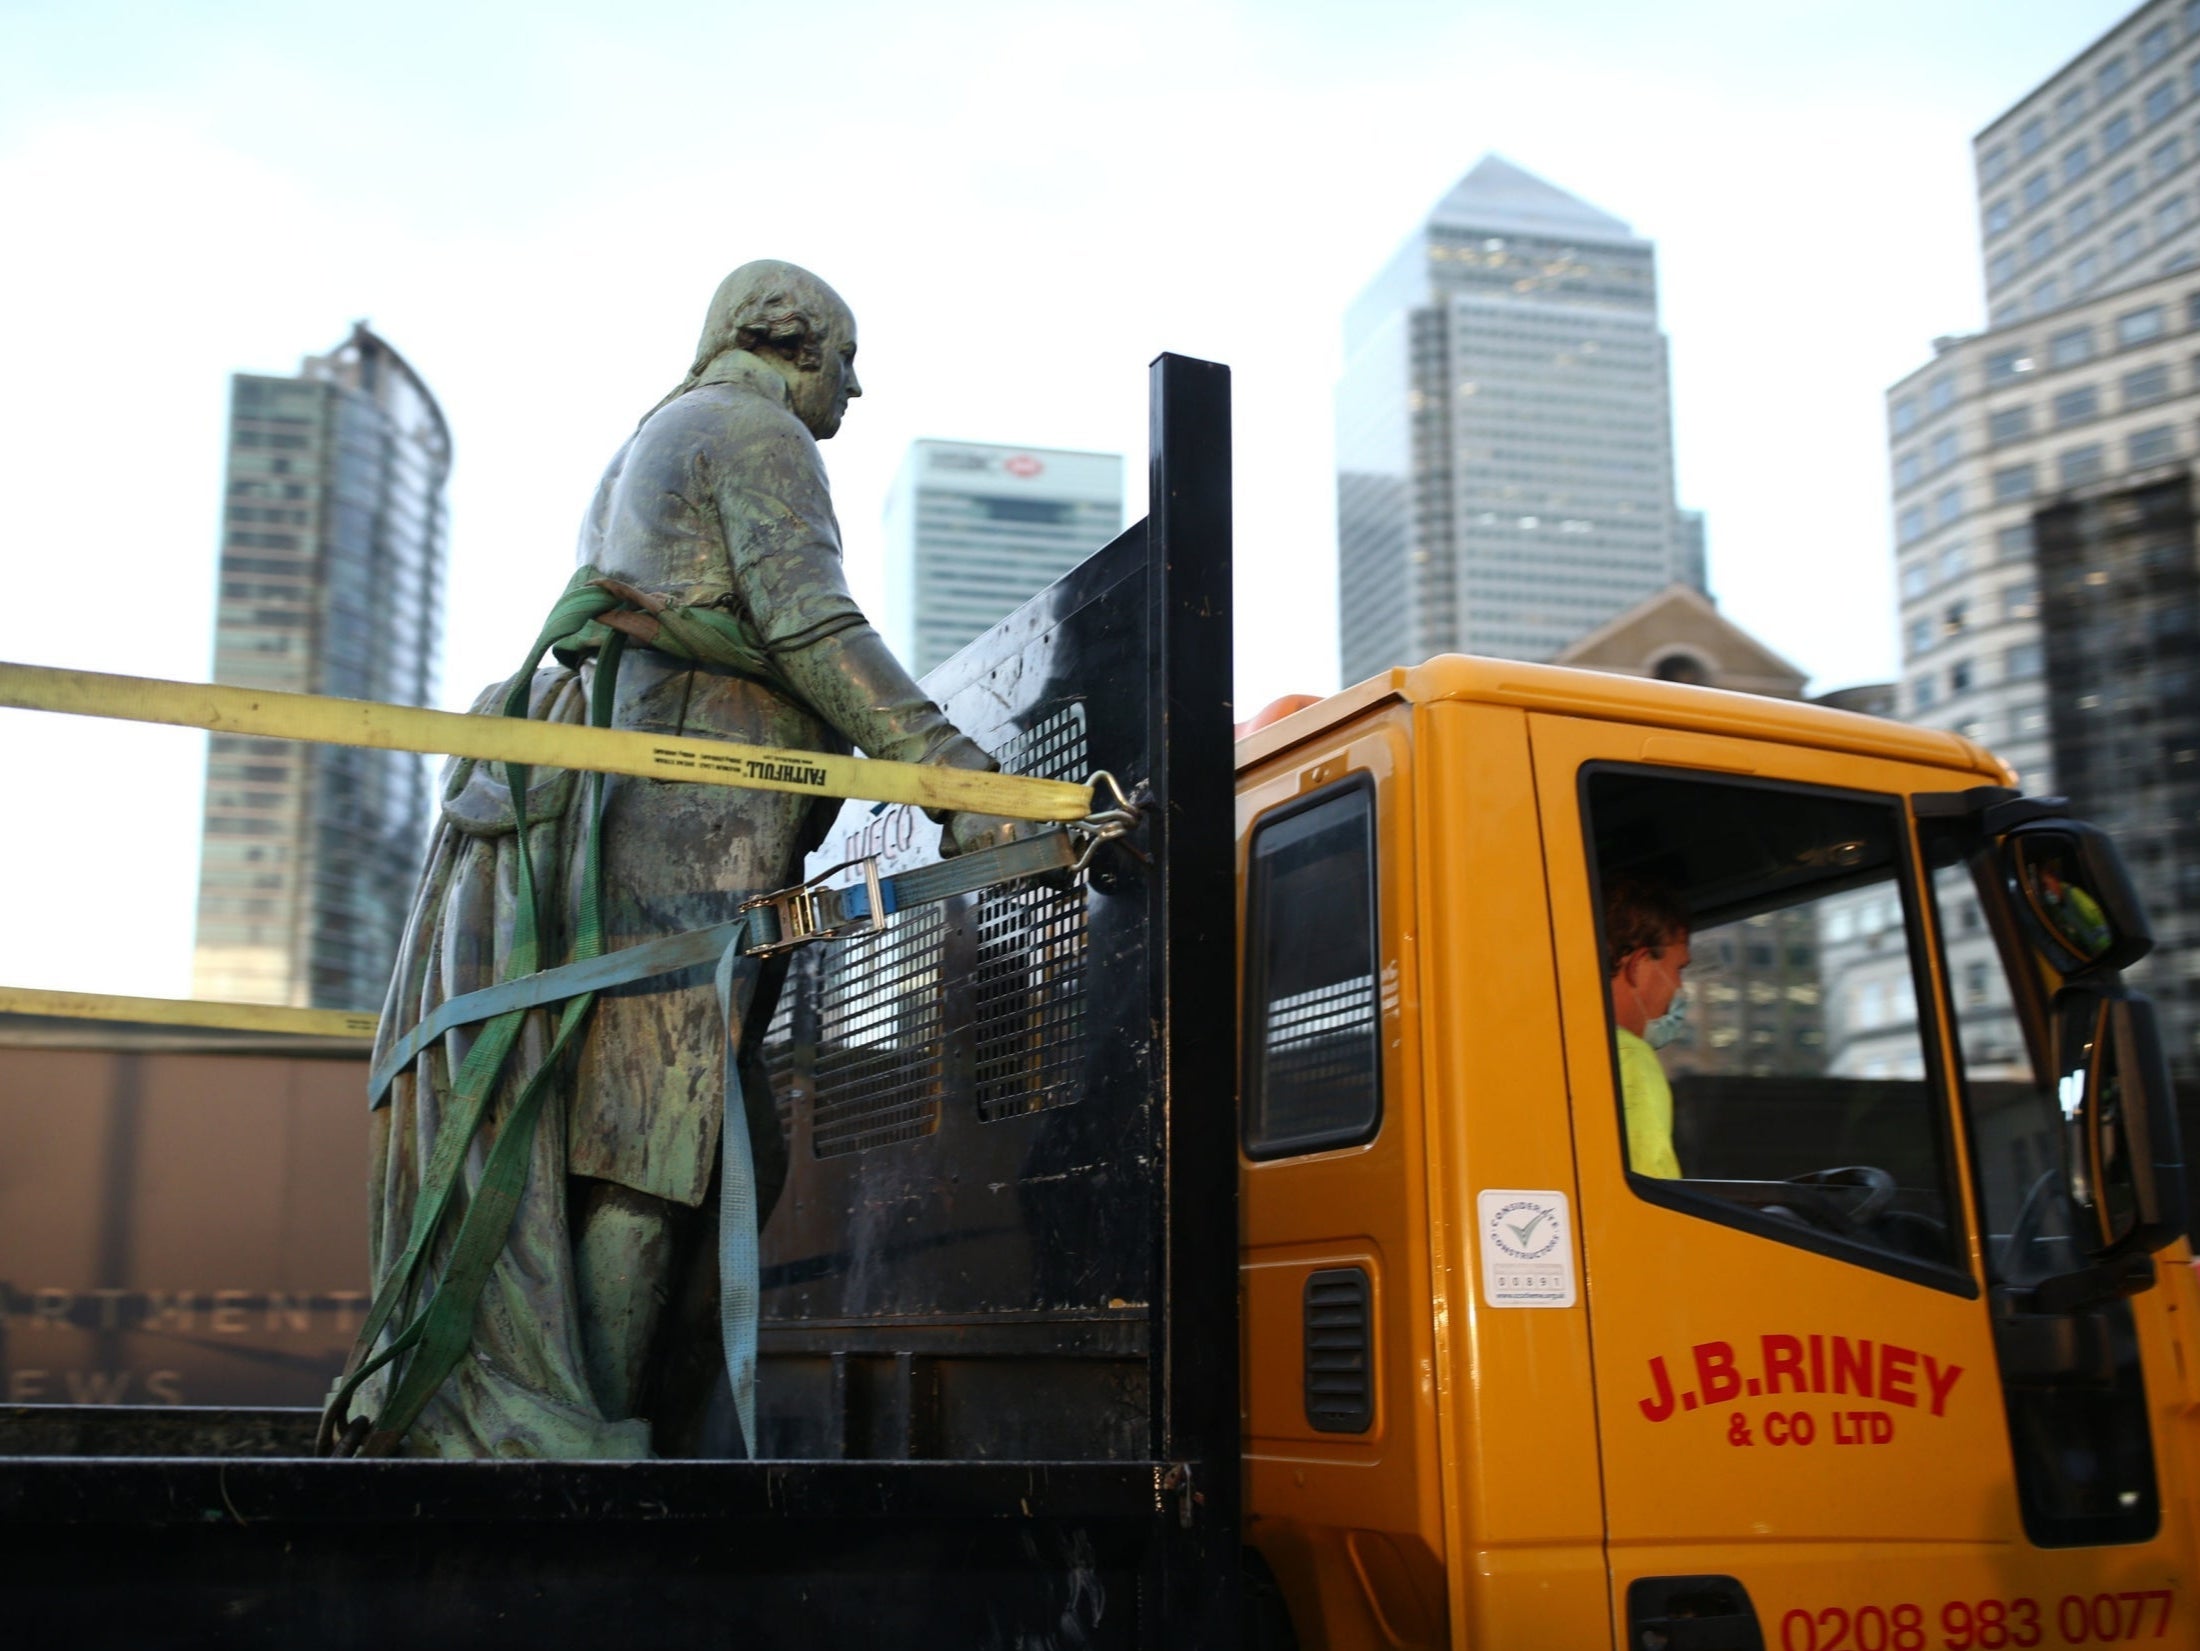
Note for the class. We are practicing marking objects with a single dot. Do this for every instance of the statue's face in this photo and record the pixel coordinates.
(820, 395)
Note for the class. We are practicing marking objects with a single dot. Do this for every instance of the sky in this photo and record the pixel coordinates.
(1023, 203)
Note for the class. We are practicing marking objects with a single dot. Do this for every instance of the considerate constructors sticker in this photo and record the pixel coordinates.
(1527, 1248)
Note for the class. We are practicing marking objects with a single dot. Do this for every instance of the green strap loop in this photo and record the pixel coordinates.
(439, 1332)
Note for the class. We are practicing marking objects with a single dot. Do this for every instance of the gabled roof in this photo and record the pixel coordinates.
(1680, 620)
(1502, 197)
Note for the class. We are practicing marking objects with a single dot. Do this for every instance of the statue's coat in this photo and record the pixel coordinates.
(719, 498)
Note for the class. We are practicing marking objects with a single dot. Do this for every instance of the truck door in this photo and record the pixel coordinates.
(1802, 1419)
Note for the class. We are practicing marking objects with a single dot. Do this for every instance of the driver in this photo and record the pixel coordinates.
(2077, 915)
(1646, 948)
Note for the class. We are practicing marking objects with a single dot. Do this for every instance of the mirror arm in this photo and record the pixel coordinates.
(1959, 805)
(1993, 809)
(2104, 1281)
(2007, 816)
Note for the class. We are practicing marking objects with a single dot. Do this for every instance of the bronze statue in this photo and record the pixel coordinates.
(595, 1333)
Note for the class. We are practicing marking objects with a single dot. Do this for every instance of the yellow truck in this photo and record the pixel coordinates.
(1350, 1274)
(1905, 1357)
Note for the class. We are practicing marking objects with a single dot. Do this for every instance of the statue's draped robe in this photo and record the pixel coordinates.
(720, 497)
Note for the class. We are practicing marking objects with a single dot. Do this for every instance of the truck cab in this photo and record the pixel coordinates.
(1903, 1355)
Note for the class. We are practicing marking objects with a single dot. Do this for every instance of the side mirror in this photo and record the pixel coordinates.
(2070, 891)
(2124, 1167)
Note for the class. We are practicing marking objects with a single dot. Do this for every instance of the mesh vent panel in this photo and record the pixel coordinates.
(778, 1053)
(1027, 991)
(859, 1038)
(1051, 749)
(877, 1075)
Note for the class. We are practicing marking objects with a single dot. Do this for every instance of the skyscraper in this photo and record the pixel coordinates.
(331, 575)
(973, 530)
(1504, 435)
(2051, 454)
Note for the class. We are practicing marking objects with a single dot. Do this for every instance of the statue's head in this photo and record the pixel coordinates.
(797, 325)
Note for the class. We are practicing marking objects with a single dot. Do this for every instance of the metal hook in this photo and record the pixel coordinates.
(1105, 825)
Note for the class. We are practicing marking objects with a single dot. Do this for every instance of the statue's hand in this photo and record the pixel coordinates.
(967, 833)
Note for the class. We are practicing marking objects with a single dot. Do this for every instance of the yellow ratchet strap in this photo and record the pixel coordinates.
(265, 714)
(168, 1011)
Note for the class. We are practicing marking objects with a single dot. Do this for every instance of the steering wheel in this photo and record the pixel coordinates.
(1878, 1190)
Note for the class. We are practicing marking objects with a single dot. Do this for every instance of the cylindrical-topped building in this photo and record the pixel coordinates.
(333, 545)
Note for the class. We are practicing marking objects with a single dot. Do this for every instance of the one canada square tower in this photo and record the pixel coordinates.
(1504, 435)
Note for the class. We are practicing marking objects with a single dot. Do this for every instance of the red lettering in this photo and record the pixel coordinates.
(1784, 1357)
(1897, 1374)
(1789, 1427)
(1862, 1427)
(1852, 1367)
(1818, 1364)
(1660, 1403)
(1940, 1378)
(1716, 1378)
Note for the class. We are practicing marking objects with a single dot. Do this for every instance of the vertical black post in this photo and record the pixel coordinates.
(1195, 1386)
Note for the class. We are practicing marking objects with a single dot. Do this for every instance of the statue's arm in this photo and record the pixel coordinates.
(783, 544)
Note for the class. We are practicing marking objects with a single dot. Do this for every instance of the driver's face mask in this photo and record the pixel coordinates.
(1667, 1027)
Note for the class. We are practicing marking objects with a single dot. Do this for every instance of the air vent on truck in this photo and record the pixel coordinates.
(1340, 1388)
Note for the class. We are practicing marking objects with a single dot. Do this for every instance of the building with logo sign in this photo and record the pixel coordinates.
(974, 530)
(333, 544)
(1504, 435)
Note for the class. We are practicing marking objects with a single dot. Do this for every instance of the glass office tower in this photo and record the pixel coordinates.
(1504, 435)
(333, 544)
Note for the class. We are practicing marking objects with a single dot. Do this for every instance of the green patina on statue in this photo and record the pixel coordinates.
(596, 1333)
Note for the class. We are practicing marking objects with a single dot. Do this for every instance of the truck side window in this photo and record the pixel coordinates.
(1313, 1072)
(1794, 1094)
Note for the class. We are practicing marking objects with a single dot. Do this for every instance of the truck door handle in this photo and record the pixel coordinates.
(1691, 1613)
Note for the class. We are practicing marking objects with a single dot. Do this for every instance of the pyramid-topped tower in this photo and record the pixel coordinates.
(1504, 442)
(1499, 195)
